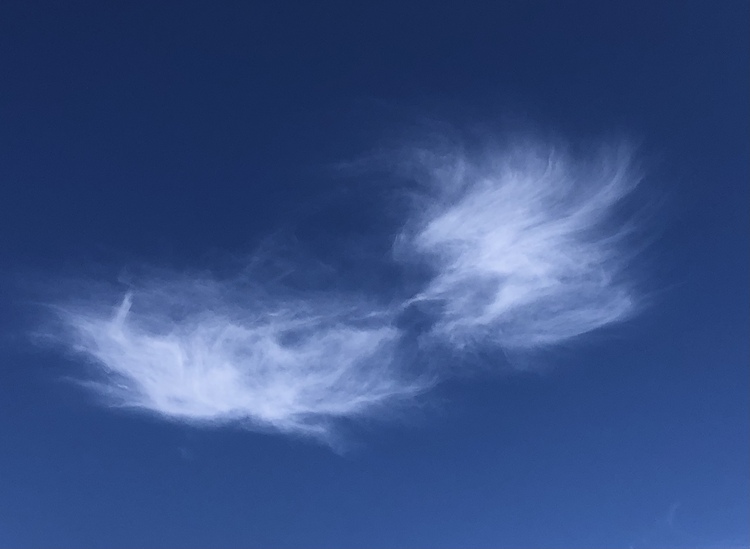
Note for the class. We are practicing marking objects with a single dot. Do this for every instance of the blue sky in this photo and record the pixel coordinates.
(416, 274)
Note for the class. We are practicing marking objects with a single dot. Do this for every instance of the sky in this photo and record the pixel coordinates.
(374, 274)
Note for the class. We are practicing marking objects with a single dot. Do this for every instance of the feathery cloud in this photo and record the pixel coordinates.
(523, 244)
(522, 248)
(203, 350)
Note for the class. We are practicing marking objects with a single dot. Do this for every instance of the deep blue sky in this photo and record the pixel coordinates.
(170, 131)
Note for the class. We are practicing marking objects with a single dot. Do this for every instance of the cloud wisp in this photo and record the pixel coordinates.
(521, 249)
(523, 244)
(210, 351)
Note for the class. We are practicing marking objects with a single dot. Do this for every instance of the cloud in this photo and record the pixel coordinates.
(523, 244)
(202, 350)
(516, 248)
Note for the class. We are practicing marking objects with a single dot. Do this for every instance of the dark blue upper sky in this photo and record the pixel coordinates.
(171, 133)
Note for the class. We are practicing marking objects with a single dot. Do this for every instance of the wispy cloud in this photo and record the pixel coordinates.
(203, 350)
(519, 248)
(524, 243)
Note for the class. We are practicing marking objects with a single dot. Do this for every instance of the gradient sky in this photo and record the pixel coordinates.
(515, 234)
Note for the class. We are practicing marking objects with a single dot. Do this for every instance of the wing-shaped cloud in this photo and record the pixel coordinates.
(522, 248)
(199, 351)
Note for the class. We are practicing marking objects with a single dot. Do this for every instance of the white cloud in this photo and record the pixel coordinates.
(201, 351)
(521, 248)
(523, 243)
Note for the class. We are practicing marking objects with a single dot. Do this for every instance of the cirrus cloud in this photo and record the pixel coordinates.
(201, 350)
(523, 244)
(517, 248)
